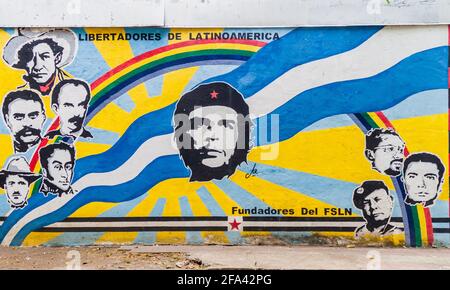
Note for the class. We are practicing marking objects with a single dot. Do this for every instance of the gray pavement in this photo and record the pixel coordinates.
(307, 257)
(223, 257)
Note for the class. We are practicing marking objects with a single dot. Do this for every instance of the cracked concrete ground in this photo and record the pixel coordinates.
(223, 257)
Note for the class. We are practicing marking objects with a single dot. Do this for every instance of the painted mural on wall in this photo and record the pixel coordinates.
(196, 136)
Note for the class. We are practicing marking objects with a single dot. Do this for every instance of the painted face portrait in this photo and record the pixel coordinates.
(70, 100)
(385, 150)
(377, 206)
(15, 179)
(214, 134)
(41, 53)
(212, 131)
(24, 115)
(41, 62)
(372, 197)
(60, 169)
(423, 178)
(16, 188)
(58, 161)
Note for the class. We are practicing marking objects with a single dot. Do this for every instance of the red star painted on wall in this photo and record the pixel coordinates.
(214, 94)
(234, 225)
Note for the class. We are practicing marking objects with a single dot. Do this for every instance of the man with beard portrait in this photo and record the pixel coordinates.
(70, 100)
(385, 151)
(24, 115)
(212, 130)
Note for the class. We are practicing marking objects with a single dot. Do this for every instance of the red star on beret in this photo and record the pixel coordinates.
(214, 94)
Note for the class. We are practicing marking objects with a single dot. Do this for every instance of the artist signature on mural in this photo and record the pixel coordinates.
(252, 173)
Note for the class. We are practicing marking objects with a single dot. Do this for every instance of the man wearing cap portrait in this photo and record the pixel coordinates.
(42, 53)
(372, 197)
(16, 179)
(212, 130)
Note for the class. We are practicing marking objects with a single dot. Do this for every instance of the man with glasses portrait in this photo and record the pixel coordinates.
(385, 151)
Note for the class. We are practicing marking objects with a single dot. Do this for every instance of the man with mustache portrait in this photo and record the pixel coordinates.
(16, 179)
(385, 151)
(24, 115)
(41, 53)
(70, 100)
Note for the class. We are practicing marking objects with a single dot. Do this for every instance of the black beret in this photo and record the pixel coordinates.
(212, 94)
(366, 188)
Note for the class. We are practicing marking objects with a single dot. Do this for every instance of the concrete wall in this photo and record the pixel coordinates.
(221, 13)
(224, 135)
(207, 121)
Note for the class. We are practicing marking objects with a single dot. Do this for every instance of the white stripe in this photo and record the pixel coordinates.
(308, 224)
(386, 48)
(287, 224)
(144, 155)
(46, 208)
(149, 150)
(382, 51)
(139, 224)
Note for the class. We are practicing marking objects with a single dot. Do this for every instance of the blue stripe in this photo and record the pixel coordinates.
(408, 222)
(215, 209)
(331, 122)
(125, 102)
(444, 239)
(297, 47)
(88, 64)
(292, 237)
(139, 131)
(101, 136)
(421, 104)
(239, 195)
(423, 71)
(193, 238)
(206, 72)
(332, 191)
(34, 201)
(149, 238)
(440, 208)
(420, 72)
(4, 205)
(440, 225)
(167, 167)
(358, 122)
(154, 86)
(139, 47)
(81, 239)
